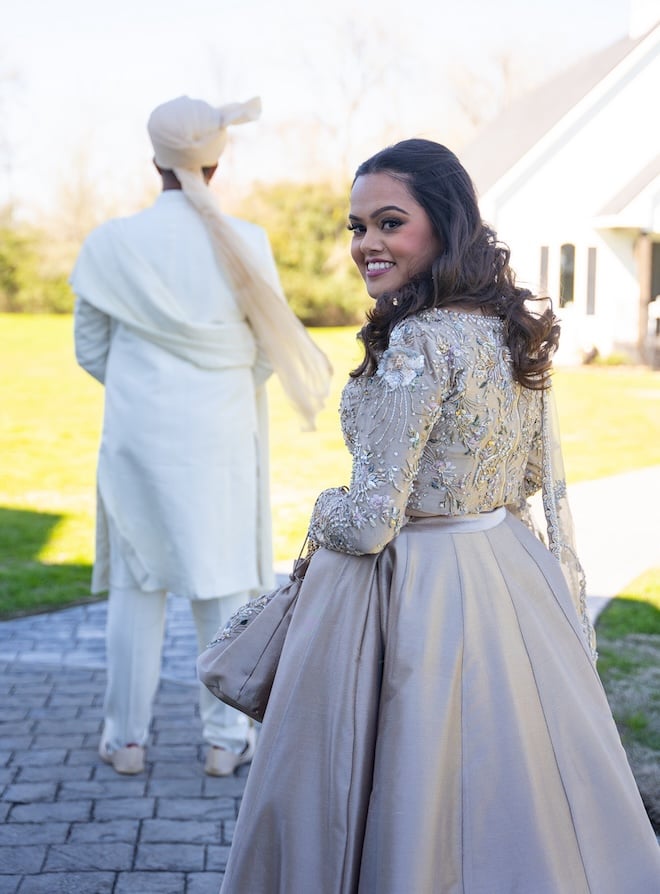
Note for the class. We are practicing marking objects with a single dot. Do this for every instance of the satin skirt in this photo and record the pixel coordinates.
(437, 726)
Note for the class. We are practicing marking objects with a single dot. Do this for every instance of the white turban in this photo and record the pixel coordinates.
(188, 135)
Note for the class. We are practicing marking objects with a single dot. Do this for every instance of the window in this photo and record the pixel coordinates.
(543, 273)
(655, 270)
(591, 281)
(566, 274)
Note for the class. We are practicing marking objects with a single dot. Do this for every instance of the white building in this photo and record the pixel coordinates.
(569, 176)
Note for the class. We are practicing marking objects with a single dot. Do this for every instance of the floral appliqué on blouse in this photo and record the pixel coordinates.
(400, 366)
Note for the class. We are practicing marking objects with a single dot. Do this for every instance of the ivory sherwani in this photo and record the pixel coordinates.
(182, 473)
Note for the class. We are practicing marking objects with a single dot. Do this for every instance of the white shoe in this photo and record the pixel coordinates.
(127, 761)
(222, 762)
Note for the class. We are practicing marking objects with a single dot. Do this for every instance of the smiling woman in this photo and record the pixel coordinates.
(438, 672)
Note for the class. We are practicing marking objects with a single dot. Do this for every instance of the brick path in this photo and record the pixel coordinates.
(69, 822)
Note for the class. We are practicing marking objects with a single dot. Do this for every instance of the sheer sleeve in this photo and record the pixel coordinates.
(544, 471)
(398, 408)
(559, 521)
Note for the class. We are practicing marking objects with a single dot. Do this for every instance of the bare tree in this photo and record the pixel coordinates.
(10, 84)
(79, 202)
(481, 95)
(338, 79)
(358, 103)
(90, 191)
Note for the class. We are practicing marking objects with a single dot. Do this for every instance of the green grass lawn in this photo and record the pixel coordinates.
(628, 633)
(50, 418)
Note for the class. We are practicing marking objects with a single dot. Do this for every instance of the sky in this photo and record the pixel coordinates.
(338, 80)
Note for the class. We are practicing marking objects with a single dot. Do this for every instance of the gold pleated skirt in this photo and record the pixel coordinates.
(437, 727)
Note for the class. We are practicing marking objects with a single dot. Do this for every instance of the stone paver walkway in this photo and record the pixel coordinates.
(69, 823)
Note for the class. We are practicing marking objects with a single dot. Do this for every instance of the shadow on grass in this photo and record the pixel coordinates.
(27, 585)
(624, 616)
(628, 633)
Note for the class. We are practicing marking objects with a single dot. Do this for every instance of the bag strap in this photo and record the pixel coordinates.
(301, 563)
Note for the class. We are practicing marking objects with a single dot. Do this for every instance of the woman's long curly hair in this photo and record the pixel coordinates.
(472, 269)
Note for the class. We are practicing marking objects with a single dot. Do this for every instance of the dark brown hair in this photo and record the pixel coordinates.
(472, 269)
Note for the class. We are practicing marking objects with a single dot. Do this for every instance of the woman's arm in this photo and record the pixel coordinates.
(399, 407)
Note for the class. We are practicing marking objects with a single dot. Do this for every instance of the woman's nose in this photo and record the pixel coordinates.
(371, 241)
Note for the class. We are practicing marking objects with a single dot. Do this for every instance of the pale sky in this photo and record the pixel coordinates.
(78, 78)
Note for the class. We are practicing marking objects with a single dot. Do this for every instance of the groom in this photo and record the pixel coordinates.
(183, 502)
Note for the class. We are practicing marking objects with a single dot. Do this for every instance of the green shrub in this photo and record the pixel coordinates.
(306, 224)
(28, 283)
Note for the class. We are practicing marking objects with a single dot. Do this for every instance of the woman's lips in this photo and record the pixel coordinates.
(374, 269)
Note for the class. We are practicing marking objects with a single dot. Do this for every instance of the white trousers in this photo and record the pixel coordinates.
(134, 641)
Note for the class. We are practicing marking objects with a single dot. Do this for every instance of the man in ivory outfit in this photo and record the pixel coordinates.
(169, 317)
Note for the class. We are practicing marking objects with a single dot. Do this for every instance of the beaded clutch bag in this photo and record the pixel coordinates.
(240, 664)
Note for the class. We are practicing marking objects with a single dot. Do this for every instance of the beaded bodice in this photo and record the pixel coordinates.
(441, 428)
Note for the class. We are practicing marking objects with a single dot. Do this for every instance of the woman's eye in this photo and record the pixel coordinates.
(356, 229)
(390, 224)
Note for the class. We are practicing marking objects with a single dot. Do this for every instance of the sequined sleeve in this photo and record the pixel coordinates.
(533, 470)
(390, 426)
(531, 484)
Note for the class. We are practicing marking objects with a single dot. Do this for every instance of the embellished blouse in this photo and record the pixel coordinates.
(441, 428)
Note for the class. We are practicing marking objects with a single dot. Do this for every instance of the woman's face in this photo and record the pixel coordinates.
(393, 239)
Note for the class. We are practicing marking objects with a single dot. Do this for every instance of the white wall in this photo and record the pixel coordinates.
(555, 194)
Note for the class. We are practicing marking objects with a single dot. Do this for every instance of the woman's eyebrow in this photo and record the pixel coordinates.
(380, 211)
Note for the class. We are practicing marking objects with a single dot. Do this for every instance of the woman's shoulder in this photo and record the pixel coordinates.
(442, 323)
(418, 346)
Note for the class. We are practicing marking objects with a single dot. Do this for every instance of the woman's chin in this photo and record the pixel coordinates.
(375, 290)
